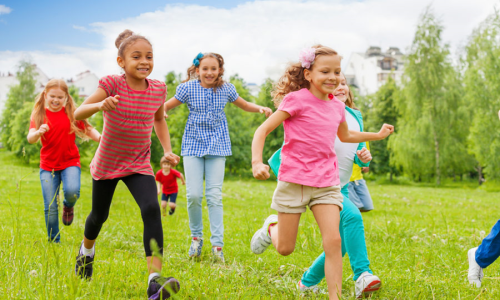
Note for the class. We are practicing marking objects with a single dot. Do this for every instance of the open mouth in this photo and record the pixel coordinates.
(143, 69)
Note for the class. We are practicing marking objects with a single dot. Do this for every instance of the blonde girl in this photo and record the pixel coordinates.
(309, 174)
(132, 105)
(53, 123)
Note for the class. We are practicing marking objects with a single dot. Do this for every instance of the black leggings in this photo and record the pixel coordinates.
(143, 189)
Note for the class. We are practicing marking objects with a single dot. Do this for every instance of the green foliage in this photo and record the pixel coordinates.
(482, 88)
(429, 129)
(15, 120)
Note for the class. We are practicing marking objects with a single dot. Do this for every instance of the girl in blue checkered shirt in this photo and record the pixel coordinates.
(206, 143)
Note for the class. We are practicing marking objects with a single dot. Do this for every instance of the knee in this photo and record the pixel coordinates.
(97, 219)
(214, 202)
(354, 217)
(285, 250)
(150, 210)
(194, 198)
(72, 194)
(332, 243)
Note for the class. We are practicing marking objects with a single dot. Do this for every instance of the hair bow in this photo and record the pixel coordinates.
(196, 60)
(306, 57)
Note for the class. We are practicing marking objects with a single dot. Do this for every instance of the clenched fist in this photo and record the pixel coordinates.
(109, 103)
(385, 131)
(260, 171)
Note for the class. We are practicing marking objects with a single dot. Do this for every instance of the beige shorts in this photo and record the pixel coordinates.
(294, 198)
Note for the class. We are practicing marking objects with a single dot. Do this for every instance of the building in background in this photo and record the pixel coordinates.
(368, 71)
(86, 83)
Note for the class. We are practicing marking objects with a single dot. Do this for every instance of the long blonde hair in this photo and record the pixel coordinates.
(39, 116)
(293, 79)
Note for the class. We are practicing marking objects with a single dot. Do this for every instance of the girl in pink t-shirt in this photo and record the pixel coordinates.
(309, 174)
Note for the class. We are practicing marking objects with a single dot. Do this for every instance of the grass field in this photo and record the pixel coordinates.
(417, 240)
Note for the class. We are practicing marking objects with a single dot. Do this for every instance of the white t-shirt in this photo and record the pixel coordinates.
(346, 151)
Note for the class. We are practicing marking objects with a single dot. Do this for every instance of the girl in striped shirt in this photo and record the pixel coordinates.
(206, 143)
(132, 105)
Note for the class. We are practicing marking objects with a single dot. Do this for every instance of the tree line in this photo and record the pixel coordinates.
(444, 110)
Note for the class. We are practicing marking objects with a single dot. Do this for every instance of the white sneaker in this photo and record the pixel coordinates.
(195, 248)
(217, 253)
(367, 284)
(261, 239)
(305, 289)
(475, 271)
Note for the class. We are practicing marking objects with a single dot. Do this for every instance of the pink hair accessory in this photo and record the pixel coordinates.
(306, 57)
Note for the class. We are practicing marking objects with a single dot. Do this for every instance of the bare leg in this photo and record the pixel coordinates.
(164, 208)
(154, 264)
(88, 243)
(284, 234)
(172, 205)
(328, 216)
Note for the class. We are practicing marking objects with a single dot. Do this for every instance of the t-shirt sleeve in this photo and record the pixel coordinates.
(81, 125)
(108, 84)
(181, 93)
(176, 173)
(290, 105)
(158, 176)
(232, 93)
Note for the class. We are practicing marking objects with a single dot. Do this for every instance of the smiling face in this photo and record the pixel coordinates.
(165, 167)
(55, 98)
(208, 71)
(137, 60)
(324, 76)
(342, 91)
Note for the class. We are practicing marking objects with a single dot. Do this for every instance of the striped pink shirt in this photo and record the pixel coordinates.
(126, 135)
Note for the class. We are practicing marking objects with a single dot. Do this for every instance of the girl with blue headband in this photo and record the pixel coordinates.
(206, 143)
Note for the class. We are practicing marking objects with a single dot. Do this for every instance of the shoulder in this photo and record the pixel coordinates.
(175, 172)
(112, 78)
(156, 83)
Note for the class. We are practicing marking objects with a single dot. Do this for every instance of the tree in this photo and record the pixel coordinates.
(15, 119)
(482, 88)
(429, 123)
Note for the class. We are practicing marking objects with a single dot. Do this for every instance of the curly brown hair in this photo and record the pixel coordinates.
(127, 38)
(191, 71)
(293, 79)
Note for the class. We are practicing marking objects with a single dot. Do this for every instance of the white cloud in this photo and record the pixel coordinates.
(257, 39)
(4, 10)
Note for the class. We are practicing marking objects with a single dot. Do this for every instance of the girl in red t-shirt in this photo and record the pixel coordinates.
(53, 122)
(166, 180)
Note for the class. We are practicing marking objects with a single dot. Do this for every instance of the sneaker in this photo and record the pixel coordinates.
(171, 212)
(475, 271)
(367, 284)
(67, 215)
(84, 265)
(261, 239)
(162, 288)
(217, 254)
(195, 249)
(306, 289)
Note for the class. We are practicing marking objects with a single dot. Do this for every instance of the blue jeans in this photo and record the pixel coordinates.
(212, 168)
(489, 250)
(359, 195)
(51, 181)
(352, 232)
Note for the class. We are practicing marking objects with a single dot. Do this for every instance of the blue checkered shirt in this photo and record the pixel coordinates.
(206, 131)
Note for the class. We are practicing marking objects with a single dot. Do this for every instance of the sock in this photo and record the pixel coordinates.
(151, 276)
(269, 228)
(87, 252)
(171, 212)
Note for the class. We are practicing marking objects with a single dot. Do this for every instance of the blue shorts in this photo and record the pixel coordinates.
(173, 197)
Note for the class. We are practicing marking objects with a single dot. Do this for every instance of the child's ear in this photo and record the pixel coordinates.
(120, 62)
(198, 71)
(307, 75)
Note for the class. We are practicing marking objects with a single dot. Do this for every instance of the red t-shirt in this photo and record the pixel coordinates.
(59, 150)
(169, 181)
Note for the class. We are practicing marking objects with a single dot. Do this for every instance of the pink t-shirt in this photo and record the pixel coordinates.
(308, 155)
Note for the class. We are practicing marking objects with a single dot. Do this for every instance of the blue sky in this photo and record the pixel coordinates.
(39, 25)
(256, 38)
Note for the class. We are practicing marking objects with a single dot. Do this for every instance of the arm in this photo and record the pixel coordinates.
(349, 136)
(182, 179)
(252, 107)
(161, 130)
(158, 186)
(98, 101)
(34, 135)
(94, 134)
(260, 170)
(171, 103)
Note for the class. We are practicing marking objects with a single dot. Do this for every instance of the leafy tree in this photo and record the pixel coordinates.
(15, 119)
(428, 128)
(482, 88)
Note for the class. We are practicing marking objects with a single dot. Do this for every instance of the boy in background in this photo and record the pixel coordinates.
(167, 185)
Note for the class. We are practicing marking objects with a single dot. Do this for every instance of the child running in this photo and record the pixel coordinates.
(53, 122)
(206, 143)
(132, 105)
(309, 172)
(358, 190)
(166, 179)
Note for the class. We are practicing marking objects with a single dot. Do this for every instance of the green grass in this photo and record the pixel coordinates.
(417, 240)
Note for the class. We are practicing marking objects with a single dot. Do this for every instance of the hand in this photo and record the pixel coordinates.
(365, 169)
(385, 131)
(158, 193)
(265, 110)
(165, 115)
(109, 103)
(172, 158)
(364, 155)
(43, 129)
(499, 114)
(183, 183)
(260, 171)
(99, 138)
